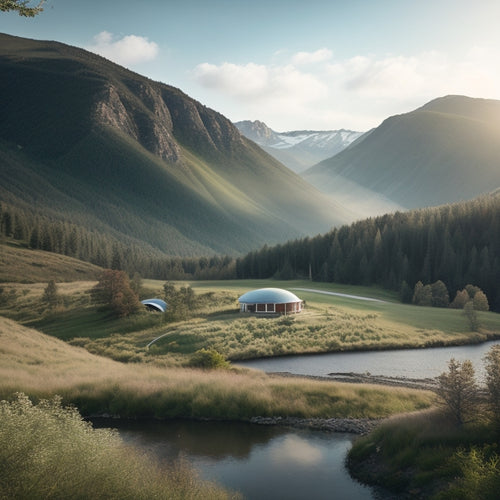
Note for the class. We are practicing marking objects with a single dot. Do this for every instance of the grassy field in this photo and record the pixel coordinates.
(330, 323)
(41, 366)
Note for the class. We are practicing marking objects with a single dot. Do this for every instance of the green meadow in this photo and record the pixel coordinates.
(329, 323)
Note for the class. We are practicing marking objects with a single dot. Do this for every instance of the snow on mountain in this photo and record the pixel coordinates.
(334, 140)
(299, 149)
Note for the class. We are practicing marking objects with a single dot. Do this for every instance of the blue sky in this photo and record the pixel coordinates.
(310, 64)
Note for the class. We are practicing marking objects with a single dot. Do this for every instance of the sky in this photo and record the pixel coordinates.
(295, 65)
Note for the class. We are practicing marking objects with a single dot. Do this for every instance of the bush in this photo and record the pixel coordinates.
(208, 359)
(480, 476)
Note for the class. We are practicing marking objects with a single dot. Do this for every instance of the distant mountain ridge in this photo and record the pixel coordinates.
(299, 149)
(445, 151)
(85, 140)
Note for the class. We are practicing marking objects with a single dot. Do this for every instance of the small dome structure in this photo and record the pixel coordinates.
(155, 305)
(270, 301)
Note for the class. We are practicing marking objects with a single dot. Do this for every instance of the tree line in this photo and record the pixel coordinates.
(51, 234)
(456, 244)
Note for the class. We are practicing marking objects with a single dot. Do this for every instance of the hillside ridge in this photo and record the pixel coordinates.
(140, 159)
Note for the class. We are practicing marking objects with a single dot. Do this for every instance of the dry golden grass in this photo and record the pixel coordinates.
(18, 264)
(41, 366)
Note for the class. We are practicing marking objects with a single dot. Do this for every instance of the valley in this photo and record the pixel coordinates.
(116, 188)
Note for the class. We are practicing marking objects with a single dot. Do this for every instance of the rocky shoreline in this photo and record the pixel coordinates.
(367, 378)
(359, 426)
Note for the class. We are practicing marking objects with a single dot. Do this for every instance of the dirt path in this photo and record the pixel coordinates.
(324, 292)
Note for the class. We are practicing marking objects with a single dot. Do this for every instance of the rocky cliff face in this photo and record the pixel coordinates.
(150, 123)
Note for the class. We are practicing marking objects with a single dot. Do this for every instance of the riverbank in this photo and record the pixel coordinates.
(366, 378)
(359, 426)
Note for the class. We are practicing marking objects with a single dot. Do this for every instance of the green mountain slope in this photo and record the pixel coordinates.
(85, 140)
(445, 151)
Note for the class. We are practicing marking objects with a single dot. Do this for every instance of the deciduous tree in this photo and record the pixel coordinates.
(21, 6)
(471, 314)
(113, 292)
(480, 301)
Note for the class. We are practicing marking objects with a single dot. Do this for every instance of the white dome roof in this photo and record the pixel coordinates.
(268, 296)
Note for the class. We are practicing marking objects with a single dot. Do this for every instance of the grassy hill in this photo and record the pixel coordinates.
(22, 265)
(445, 151)
(85, 140)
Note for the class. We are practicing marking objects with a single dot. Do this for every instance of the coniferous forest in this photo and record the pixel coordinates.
(457, 244)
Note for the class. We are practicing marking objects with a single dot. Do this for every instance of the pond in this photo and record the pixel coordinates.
(261, 462)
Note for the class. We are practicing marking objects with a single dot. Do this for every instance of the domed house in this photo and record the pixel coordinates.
(156, 305)
(270, 301)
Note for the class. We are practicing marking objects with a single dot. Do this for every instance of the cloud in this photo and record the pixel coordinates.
(318, 56)
(261, 83)
(316, 91)
(128, 50)
(243, 80)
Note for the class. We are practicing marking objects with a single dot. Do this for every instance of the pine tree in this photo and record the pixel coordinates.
(458, 390)
(50, 294)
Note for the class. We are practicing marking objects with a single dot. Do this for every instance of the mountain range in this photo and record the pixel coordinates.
(445, 151)
(299, 149)
(85, 140)
(88, 142)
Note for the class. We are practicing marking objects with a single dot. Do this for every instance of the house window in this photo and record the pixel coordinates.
(261, 307)
(270, 308)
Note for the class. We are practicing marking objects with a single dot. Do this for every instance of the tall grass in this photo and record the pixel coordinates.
(41, 366)
(48, 451)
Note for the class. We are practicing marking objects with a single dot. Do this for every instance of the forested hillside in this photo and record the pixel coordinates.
(128, 161)
(458, 244)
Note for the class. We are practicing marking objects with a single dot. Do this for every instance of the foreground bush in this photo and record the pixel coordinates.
(48, 451)
(428, 455)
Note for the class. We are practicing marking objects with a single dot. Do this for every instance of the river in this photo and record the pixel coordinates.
(261, 462)
(404, 363)
(272, 462)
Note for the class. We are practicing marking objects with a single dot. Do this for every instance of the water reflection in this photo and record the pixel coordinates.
(259, 461)
(295, 450)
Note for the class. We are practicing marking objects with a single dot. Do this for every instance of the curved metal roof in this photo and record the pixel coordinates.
(159, 304)
(268, 296)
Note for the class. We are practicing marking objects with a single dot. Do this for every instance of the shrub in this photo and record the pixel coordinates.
(208, 359)
(480, 475)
